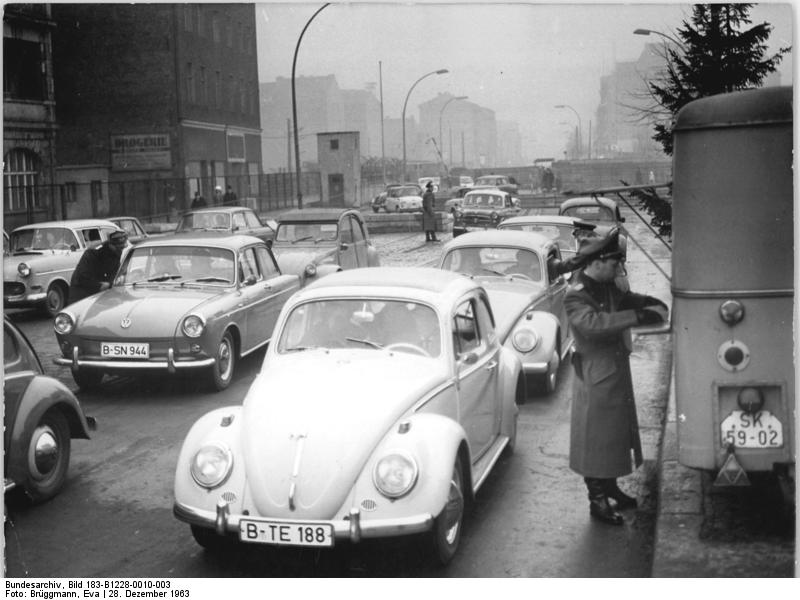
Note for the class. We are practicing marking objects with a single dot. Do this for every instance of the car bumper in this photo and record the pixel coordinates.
(534, 367)
(170, 364)
(24, 300)
(352, 529)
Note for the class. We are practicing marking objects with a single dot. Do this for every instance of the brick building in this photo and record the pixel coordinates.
(154, 102)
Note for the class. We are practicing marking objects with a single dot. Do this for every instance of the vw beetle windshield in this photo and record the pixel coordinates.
(306, 232)
(179, 264)
(367, 324)
(205, 220)
(591, 212)
(562, 234)
(494, 262)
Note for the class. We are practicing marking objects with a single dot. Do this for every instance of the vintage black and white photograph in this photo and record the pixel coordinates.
(377, 290)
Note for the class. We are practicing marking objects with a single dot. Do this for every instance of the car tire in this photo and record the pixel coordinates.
(47, 457)
(446, 533)
(224, 363)
(55, 299)
(87, 380)
(209, 539)
(376, 209)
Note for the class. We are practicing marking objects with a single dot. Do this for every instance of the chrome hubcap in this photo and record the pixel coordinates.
(224, 359)
(454, 508)
(43, 455)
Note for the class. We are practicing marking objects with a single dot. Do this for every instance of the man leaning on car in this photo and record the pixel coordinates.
(97, 267)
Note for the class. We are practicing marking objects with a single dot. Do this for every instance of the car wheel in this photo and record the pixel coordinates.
(548, 382)
(55, 299)
(48, 457)
(87, 379)
(225, 361)
(446, 532)
(208, 538)
(376, 209)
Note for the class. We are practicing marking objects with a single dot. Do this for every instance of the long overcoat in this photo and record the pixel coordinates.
(604, 430)
(428, 214)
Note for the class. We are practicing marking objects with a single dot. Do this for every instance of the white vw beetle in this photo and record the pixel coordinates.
(383, 402)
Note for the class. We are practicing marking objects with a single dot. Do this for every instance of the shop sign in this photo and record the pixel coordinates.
(141, 152)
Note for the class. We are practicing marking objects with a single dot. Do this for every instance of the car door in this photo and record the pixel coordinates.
(556, 290)
(346, 249)
(477, 364)
(276, 288)
(359, 242)
(253, 301)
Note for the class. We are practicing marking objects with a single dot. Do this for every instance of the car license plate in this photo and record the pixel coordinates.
(758, 430)
(286, 533)
(124, 350)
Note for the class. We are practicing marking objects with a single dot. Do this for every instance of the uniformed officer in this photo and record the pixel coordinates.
(97, 267)
(604, 430)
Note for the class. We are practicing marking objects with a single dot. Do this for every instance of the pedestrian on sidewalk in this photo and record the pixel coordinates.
(604, 430)
(428, 214)
(198, 201)
(230, 198)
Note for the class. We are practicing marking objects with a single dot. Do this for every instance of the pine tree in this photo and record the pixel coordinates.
(717, 56)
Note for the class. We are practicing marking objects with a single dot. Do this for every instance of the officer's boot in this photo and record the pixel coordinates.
(599, 507)
(617, 495)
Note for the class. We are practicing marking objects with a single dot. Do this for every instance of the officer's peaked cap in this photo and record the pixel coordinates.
(600, 247)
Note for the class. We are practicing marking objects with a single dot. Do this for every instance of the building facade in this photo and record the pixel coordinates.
(154, 103)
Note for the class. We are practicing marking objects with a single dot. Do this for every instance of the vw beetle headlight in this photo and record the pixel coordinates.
(395, 474)
(63, 323)
(525, 340)
(310, 270)
(23, 269)
(193, 326)
(211, 465)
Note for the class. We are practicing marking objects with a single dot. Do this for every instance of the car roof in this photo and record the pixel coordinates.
(427, 284)
(314, 214)
(202, 238)
(585, 200)
(70, 223)
(491, 175)
(217, 209)
(487, 190)
(544, 219)
(504, 237)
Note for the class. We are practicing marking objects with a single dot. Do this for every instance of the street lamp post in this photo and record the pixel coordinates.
(294, 109)
(664, 35)
(439, 72)
(580, 130)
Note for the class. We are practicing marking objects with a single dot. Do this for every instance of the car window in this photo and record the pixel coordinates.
(358, 232)
(10, 349)
(91, 236)
(346, 231)
(266, 264)
(248, 265)
(591, 212)
(177, 264)
(252, 220)
(238, 221)
(485, 320)
(465, 329)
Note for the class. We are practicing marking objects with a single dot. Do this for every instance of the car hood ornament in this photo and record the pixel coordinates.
(125, 323)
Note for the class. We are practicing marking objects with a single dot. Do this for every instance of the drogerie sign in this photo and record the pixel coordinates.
(141, 152)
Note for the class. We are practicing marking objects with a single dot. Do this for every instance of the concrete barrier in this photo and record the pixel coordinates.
(400, 222)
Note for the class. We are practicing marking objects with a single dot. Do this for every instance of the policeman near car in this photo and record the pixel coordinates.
(604, 432)
(97, 267)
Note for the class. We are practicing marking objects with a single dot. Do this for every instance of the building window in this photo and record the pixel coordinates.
(229, 33)
(215, 34)
(21, 180)
(201, 31)
(334, 144)
(188, 17)
(242, 96)
(190, 91)
(240, 36)
(69, 192)
(23, 77)
(231, 93)
(217, 89)
(203, 87)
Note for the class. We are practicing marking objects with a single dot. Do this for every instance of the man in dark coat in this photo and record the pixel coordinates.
(198, 201)
(230, 198)
(604, 431)
(97, 267)
(428, 215)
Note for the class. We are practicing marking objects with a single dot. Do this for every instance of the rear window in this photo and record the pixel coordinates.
(591, 212)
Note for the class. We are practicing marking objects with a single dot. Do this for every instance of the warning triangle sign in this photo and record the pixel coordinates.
(731, 473)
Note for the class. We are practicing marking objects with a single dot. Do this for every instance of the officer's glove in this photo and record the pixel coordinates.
(651, 315)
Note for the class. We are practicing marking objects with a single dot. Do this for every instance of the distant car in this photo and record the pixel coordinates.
(183, 302)
(232, 219)
(382, 405)
(592, 208)
(41, 417)
(457, 199)
(517, 269)
(132, 227)
(379, 201)
(465, 181)
(41, 258)
(483, 209)
(406, 198)
(436, 181)
(313, 242)
(501, 182)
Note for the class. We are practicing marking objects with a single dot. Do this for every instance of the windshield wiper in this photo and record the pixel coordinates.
(493, 272)
(301, 348)
(164, 278)
(303, 239)
(205, 279)
(365, 342)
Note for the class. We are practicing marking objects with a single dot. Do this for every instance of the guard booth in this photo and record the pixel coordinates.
(339, 157)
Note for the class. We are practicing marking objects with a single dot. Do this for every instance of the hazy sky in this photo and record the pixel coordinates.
(516, 59)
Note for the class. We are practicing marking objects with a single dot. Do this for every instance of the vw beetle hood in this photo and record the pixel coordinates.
(293, 259)
(153, 313)
(323, 413)
(508, 300)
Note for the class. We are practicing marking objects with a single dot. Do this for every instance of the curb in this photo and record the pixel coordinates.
(677, 548)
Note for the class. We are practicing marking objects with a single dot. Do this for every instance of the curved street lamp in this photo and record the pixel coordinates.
(664, 35)
(439, 72)
(441, 112)
(580, 131)
(294, 108)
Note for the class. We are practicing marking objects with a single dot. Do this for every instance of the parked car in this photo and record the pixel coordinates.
(313, 242)
(379, 201)
(41, 417)
(406, 198)
(501, 182)
(518, 271)
(231, 219)
(132, 227)
(184, 302)
(38, 268)
(592, 208)
(457, 198)
(484, 208)
(381, 406)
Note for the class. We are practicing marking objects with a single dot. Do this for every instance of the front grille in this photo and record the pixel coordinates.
(368, 504)
(13, 288)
